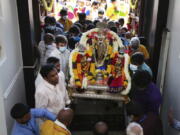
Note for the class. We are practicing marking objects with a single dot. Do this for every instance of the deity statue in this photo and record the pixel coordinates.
(100, 50)
(116, 81)
(97, 64)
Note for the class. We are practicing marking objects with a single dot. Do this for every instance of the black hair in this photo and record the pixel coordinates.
(121, 21)
(61, 39)
(63, 12)
(90, 26)
(95, 3)
(141, 78)
(124, 28)
(52, 20)
(113, 0)
(95, 22)
(48, 38)
(79, 25)
(52, 60)
(81, 16)
(46, 69)
(47, 20)
(114, 29)
(137, 58)
(101, 12)
(74, 29)
(19, 110)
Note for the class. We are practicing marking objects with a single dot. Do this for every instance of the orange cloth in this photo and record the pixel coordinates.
(67, 24)
(143, 49)
(50, 128)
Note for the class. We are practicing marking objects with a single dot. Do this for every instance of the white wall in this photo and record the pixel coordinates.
(12, 88)
(172, 78)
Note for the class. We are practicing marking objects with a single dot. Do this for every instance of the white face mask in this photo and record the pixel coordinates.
(64, 17)
(133, 67)
(62, 49)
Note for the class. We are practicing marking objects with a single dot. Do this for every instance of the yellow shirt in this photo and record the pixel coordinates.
(143, 49)
(111, 12)
(67, 24)
(53, 128)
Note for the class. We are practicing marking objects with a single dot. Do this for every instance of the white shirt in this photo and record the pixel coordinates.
(46, 51)
(39, 79)
(64, 60)
(53, 98)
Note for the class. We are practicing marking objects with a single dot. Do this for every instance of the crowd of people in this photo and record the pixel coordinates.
(91, 8)
(52, 103)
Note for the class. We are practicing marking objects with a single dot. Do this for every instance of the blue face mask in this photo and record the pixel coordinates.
(51, 27)
(62, 49)
(76, 38)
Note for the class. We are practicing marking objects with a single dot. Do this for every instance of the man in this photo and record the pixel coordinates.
(51, 93)
(63, 53)
(150, 122)
(94, 10)
(55, 62)
(100, 128)
(64, 20)
(83, 21)
(46, 47)
(138, 63)
(136, 47)
(112, 11)
(59, 127)
(101, 16)
(146, 92)
(52, 28)
(73, 36)
(121, 22)
(134, 129)
(26, 119)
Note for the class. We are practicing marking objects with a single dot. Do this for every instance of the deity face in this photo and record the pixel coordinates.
(84, 64)
(118, 66)
(100, 49)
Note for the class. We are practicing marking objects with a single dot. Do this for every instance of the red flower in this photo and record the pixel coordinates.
(79, 57)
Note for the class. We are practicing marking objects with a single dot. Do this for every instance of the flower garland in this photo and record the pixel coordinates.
(117, 41)
(45, 5)
(133, 6)
(126, 64)
(80, 79)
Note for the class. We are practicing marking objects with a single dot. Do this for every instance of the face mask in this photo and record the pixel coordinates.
(133, 67)
(76, 38)
(62, 49)
(52, 27)
(64, 17)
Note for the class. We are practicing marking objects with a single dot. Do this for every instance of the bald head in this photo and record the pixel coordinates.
(101, 128)
(134, 129)
(65, 116)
